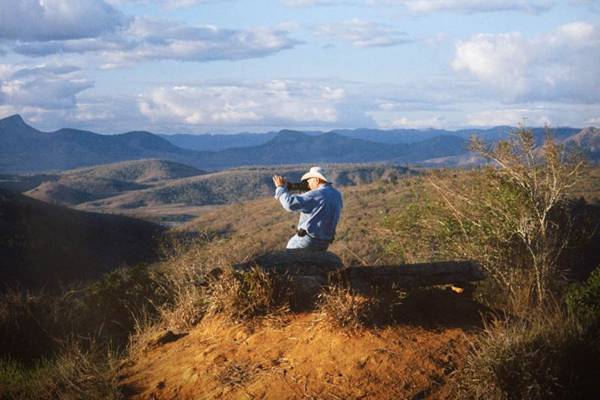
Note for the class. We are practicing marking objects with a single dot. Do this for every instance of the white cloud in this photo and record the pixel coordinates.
(594, 121)
(592, 5)
(510, 116)
(559, 66)
(473, 6)
(430, 6)
(277, 102)
(306, 3)
(42, 86)
(437, 122)
(165, 3)
(150, 39)
(363, 33)
(268, 105)
(57, 19)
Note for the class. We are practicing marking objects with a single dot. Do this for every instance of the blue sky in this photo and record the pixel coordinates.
(224, 66)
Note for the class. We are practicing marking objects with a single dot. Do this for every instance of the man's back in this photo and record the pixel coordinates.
(321, 221)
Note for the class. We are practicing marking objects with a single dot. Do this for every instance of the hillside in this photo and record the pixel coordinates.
(588, 140)
(43, 244)
(182, 343)
(417, 355)
(140, 171)
(361, 236)
(235, 185)
(82, 185)
(170, 192)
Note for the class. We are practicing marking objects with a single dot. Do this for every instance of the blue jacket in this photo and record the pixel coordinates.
(319, 209)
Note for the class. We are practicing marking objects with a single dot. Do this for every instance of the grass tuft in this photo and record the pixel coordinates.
(343, 309)
(246, 295)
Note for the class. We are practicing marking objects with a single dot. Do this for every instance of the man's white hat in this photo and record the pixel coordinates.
(315, 172)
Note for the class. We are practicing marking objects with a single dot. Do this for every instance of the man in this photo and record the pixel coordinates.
(319, 209)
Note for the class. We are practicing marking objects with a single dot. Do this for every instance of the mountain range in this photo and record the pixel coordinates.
(214, 142)
(24, 149)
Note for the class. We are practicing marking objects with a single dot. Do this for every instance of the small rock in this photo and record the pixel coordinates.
(166, 337)
(220, 360)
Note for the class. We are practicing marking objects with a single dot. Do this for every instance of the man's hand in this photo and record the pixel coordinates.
(279, 181)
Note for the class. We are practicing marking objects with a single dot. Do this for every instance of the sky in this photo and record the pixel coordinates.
(225, 66)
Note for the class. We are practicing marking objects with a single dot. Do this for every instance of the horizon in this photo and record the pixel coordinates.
(231, 66)
(288, 129)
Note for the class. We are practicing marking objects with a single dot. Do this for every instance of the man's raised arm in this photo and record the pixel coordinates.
(289, 201)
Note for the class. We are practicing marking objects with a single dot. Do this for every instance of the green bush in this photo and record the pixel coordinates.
(583, 300)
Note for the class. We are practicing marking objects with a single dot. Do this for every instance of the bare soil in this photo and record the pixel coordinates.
(302, 357)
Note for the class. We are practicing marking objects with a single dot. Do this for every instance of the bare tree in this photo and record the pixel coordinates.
(537, 180)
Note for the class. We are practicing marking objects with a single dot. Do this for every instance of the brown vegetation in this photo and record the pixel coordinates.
(192, 333)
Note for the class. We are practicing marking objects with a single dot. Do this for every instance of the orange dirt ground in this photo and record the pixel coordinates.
(302, 357)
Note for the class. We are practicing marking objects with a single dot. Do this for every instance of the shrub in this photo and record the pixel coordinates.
(246, 295)
(511, 216)
(33, 324)
(76, 373)
(26, 323)
(547, 356)
(539, 183)
(583, 300)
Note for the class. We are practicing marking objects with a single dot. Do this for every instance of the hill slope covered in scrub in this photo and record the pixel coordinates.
(44, 244)
(161, 189)
(81, 185)
(363, 236)
(588, 140)
(235, 185)
(185, 344)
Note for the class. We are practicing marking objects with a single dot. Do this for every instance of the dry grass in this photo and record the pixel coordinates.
(343, 309)
(78, 372)
(547, 356)
(243, 296)
(146, 329)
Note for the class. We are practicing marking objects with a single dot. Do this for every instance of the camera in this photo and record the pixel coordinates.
(298, 186)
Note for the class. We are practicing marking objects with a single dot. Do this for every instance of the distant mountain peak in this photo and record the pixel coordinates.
(13, 120)
(290, 132)
(289, 136)
(16, 128)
